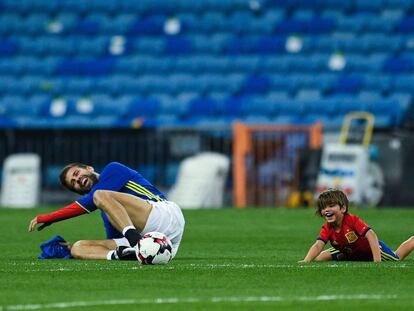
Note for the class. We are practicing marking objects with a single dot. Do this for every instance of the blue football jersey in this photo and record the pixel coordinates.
(118, 177)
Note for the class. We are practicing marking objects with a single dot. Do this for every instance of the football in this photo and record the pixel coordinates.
(154, 248)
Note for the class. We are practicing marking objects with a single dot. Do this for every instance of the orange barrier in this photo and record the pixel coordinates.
(265, 161)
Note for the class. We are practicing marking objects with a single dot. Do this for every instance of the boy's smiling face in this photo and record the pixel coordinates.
(333, 214)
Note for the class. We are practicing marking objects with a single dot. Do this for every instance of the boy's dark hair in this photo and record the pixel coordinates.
(332, 197)
(62, 175)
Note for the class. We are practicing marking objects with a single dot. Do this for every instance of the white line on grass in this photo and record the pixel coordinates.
(207, 266)
(191, 300)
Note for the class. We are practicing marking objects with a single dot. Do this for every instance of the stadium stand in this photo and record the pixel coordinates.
(164, 62)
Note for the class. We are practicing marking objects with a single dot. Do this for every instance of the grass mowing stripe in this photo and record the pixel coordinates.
(264, 299)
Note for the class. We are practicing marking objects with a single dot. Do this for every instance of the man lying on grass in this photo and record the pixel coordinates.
(131, 207)
(351, 238)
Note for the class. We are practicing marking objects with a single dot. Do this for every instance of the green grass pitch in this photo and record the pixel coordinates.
(229, 260)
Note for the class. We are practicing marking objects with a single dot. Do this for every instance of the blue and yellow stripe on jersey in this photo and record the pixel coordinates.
(142, 191)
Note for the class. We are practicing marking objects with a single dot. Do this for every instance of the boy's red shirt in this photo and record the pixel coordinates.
(350, 240)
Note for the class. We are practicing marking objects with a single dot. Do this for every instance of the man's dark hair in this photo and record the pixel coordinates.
(62, 175)
(332, 197)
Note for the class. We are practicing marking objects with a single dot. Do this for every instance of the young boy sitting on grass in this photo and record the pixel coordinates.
(351, 238)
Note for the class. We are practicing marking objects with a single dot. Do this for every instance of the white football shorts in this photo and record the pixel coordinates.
(165, 217)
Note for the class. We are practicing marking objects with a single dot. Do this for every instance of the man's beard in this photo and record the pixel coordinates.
(94, 179)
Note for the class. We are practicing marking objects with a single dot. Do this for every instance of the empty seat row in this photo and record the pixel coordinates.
(229, 84)
(238, 22)
(190, 109)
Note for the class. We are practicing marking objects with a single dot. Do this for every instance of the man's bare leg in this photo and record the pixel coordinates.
(405, 248)
(127, 213)
(123, 209)
(92, 249)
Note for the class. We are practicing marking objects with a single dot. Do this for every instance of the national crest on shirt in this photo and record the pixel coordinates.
(351, 237)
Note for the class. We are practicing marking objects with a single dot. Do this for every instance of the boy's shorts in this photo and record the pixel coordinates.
(386, 255)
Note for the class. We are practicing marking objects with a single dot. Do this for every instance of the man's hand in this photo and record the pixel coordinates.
(34, 223)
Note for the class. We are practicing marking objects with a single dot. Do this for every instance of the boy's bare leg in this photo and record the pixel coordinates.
(92, 249)
(123, 209)
(324, 256)
(405, 248)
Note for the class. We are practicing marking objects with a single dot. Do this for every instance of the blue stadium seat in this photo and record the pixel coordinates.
(202, 106)
(94, 47)
(20, 110)
(405, 5)
(348, 84)
(285, 83)
(288, 110)
(369, 5)
(405, 25)
(9, 85)
(151, 25)
(91, 67)
(108, 6)
(318, 110)
(388, 113)
(80, 86)
(319, 25)
(11, 66)
(404, 100)
(256, 84)
(217, 83)
(238, 22)
(160, 66)
(177, 46)
(120, 24)
(148, 45)
(369, 96)
(172, 109)
(35, 24)
(142, 108)
(278, 96)
(343, 104)
(211, 22)
(187, 83)
(258, 107)
(65, 22)
(302, 64)
(10, 23)
(379, 42)
(29, 84)
(308, 95)
(37, 66)
(381, 24)
(353, 23)
(274, 64)
(230, 107)
(403, 83)
(398, 64)
(290, 26)
(8, 47)
(377, 83)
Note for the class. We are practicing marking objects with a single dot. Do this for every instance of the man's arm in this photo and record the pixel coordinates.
(374, 244)
(314, 251)
(66, 212)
